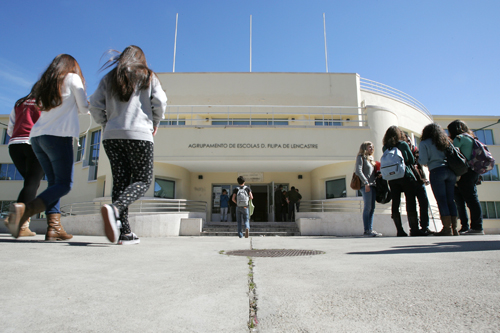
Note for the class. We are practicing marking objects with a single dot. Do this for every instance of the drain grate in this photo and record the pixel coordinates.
(273, 253)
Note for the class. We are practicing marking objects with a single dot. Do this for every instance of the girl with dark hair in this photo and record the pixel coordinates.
(129, 104)
(367, 173)
(60, 95)
(22, 118)
(394, 137)
(466, 190)
(432, 147)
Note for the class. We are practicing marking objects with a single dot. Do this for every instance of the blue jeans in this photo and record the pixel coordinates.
(443, 186)
(467, 189)
(423, 202)
(369, 208)
(55, 154)
(242, 216)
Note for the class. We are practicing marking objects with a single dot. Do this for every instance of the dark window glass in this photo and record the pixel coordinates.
(335, 188)
(164, 189)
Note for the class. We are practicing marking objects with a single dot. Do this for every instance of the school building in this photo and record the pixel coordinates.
(290, 129)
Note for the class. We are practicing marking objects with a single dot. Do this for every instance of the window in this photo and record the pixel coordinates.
(80, 149)
(95, 143)
(164, 188)
(491, 209)
(323, 122)
(172, 122)
(335, 188)
(253, 122)
(5, 137)
(491, 175)
(9, 172)
(485, 136)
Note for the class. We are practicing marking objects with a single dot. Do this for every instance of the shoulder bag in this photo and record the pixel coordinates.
(456, 160)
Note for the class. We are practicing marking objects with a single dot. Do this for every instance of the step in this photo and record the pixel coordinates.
(256, 229)
(251, 234)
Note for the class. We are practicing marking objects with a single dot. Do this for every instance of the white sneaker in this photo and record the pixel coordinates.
(372, 233)
(111, 222)
(128, 239)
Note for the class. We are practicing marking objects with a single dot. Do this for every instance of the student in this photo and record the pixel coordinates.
(432, 147)
(60, 95)
(241, 197)
(292, 197)
(367, 173)
(278, 204)
(394, 137)
(22, 118)
(463, 139)
(129, 104)
(420, 192)
(224, 205)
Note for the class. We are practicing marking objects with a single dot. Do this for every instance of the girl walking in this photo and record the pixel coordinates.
(60, 95)
(129, 104)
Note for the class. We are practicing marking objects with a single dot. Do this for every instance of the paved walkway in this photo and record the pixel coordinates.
(185, 284)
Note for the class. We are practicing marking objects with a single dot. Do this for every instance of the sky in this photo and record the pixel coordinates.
(444, 53)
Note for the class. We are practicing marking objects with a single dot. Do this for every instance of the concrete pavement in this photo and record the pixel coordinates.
(185, 284)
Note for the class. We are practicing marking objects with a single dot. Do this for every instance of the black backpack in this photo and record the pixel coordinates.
(383, 192)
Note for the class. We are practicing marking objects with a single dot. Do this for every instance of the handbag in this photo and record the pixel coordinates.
(456, 160)
(355, 182)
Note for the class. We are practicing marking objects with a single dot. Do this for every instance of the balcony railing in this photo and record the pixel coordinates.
(385, 90)
(264, 116)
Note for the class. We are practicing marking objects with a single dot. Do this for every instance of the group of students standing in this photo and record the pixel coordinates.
(286, 203)
(452, 193)
(128, 103)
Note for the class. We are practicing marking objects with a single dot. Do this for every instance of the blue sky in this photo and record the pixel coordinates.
(444, 53)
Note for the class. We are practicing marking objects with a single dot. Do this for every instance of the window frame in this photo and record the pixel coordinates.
(165, 180)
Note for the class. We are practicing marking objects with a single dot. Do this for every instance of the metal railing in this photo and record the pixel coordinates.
(355, 205)
(145, 206)
(385, 90)
(264, 116)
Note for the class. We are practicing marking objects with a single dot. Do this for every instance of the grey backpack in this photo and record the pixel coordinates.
(242, 197)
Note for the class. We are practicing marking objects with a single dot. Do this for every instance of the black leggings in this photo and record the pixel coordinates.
(132, 169)
(28, 166)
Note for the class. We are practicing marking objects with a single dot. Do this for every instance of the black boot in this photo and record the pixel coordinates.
(413, 222)
(399, 226)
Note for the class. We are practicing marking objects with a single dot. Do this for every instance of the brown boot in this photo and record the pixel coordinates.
(25, 230)
(446, 227)
(454, 229)
(19, 213)
(55, 231)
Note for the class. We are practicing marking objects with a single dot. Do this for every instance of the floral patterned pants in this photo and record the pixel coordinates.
(132, 169)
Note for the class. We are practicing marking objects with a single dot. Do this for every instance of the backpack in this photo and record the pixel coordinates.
(481, 159)
(242, 197)
(383, 195)
(392, 164)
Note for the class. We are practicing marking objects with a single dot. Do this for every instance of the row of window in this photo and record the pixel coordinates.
(253, 121)
(491, 209)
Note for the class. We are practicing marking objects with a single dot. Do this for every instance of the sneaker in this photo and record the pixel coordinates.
(372, 233)
(111, 222)
(463, 231)
(246, 232)
(128, 239)
(473, 232)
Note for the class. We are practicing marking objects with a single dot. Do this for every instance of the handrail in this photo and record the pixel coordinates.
(140, 206)
(385, 90)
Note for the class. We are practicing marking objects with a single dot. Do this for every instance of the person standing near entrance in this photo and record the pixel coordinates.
(224, 204)
(292, 197)
(241, 197)
(278, 203)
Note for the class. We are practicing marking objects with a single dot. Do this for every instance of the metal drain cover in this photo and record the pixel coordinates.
(274, 253)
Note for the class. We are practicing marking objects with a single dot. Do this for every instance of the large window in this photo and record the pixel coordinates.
(491, 209)
(335, 188)
(164, 188)
(5, 137)
(9, 172)
(80, 149)
(491, 175)
(485, 136)
(95, 143)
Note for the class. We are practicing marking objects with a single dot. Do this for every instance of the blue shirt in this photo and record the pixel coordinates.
(224, 201)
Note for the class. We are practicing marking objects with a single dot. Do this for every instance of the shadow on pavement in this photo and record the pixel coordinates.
(39, 241)
(468, 246)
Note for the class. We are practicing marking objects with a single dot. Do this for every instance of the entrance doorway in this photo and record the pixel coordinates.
(260, 201)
